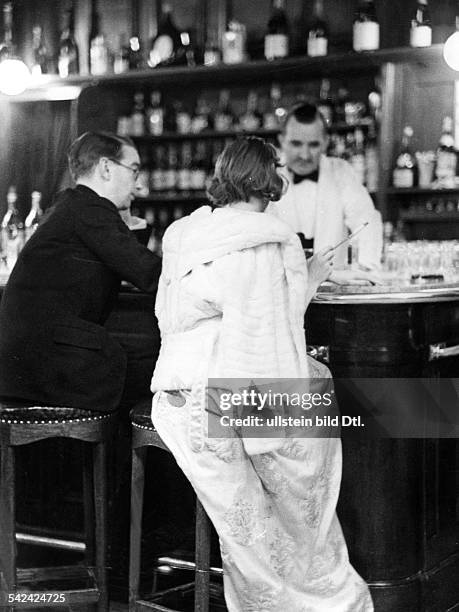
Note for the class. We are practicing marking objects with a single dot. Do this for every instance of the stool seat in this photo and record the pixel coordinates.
(141, 415)
(12, 412)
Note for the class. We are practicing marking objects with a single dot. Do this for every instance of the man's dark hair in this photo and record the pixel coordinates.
(87, 149)
(304, 112)
(246, 167)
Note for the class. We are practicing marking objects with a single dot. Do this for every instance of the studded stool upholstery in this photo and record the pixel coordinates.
(144, 435)
(22, 423)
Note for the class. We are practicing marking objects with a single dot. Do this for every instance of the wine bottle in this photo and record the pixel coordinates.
(40, 52)
(224, 117)
(121, 59)
(366, 27)
(201, 119)
(421, 29)
(68, 61)
(403, 174)
(318, 32)
(33, 218)
(137, 119)
(326, 106)
(135, 53)
(234, 43)
(167, 41)
(252, 119)
(98, 50)
(445, 169)
(12, 231)
(155, 115)
(274, 115)
(277, 38)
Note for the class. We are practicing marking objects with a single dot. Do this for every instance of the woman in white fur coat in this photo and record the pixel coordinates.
(231, 301)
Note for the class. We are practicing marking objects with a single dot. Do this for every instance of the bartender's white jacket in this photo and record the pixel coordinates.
(329, 209)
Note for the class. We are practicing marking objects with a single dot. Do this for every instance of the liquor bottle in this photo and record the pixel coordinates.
(326, 106)
(135, 54)
(33, 218)
(167, 41)
(159, 167)
(357, 155)
(6, 46)
(184, 171)
(342, 98)
(154, 115)
(201, 119)
(318, 32)
(170, 174)
(403, 174)
(98, 50)
(137, 119)
(40, 53)
(182, 118)
(199, 166)
(68, 61)
(445, 170)
(277, 38)
(234, 43)
(366, 27)
(274, 115)
(421, 29)
(252, 119)
(212, 53)
(224, 117)
(186, 54)
(12, 230)
(121, 57)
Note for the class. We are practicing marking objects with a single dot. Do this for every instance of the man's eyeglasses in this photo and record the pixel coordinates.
(135, 171)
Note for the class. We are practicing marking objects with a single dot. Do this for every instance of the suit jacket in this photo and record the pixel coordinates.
(54, 349)
(343, 204)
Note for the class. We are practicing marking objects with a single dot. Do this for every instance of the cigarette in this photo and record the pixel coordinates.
(351, 236)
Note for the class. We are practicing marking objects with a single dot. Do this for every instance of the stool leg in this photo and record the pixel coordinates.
(137, 488)
(88, 503)
(7, 522)
(100, 504)
(202, 557)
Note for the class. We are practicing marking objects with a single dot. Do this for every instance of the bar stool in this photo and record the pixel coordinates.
(144, 435)
(22, 423)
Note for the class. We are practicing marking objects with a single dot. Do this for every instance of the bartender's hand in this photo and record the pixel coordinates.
(355, 276)
(320, 266)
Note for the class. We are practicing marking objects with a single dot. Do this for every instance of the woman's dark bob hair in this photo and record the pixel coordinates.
(246, 167)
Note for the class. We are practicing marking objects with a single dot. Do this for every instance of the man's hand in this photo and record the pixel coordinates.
(320, 266)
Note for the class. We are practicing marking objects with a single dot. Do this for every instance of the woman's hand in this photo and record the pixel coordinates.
(320, 266)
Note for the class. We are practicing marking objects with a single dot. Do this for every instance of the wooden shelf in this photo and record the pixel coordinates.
(422, 191)
(190, 197)
(430, 217)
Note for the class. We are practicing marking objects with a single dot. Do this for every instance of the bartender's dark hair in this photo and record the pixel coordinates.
(87, 149)
(304, 112)
(246, 167)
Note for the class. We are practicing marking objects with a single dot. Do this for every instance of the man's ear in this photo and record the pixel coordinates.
(102, 169)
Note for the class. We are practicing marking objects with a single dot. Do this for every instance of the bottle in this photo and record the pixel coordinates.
(33, 218)
(277, 38)
(12, 230)
(199, 166)
(68, 61)
(445, 169)
(184, 171)
(159, 167)
(154, 115)
(325, 105)
(170, 174)
(357, 155)
(135, 58)
(98, 50)
(167, 42)
(366, 27)
(201, 119)
(403, 174)
(234, 43)
(6, 46)
(121, 58)
(224, 117)
(182, 118)
(274, 115)
(252, 119)
(318, 32)
(212, 54)
(421, 29)
(186, 54)
(371, 160)
(137, 119)
(40, 53)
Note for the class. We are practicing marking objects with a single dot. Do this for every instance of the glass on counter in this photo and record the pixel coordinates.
(422, 261)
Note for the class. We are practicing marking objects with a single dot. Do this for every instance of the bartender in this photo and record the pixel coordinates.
(325, 200)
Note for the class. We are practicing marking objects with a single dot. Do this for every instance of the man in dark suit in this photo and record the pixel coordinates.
(54, 349)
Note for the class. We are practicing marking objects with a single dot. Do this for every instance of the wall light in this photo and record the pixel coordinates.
(451, 48)
(14, 76)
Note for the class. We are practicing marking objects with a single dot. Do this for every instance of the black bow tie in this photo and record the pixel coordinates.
(297, 178)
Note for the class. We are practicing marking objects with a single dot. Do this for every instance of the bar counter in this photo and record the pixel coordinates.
(399, 498)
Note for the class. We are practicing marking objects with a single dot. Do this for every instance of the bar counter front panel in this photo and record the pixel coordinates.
(399, 501)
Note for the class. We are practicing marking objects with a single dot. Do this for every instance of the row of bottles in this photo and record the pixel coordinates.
(173, 46)
(150, 116)
(436, 169)
(15, 231)
(433, 206)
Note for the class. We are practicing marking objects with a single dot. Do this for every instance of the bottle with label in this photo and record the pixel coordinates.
(212, 53)
(403, 174)
(318, 32)
(154, 115)
(12, 231)
(40, 52)
(121, 56)
(277, 38)
(201, 119)
(357, 155)
(325, 105)
(274, 115)
(252, 119)
(33, 218)
(224, 117)
(365, 36)
(98, 50)
(445, 170)
(234, 43)
(137, 119)
(167, 42)
(68, 62)
(421, 29)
